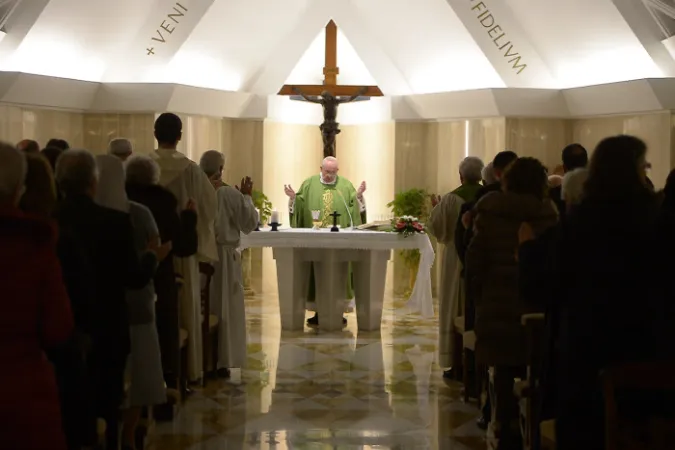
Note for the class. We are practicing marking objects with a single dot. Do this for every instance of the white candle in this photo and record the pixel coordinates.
(275, 216)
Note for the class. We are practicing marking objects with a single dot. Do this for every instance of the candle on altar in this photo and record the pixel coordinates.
(275, 216)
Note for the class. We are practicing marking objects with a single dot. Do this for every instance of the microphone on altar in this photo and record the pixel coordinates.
(351, 220)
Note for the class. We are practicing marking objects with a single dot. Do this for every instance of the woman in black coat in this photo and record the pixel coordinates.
(614, 268)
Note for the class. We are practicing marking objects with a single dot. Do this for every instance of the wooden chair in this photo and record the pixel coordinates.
(547, 435)
(458, 346)
(101, 428)
(643, 377)
(210, 322)
(459, 327)
(528, 390)
(177, 395)
(183, 346)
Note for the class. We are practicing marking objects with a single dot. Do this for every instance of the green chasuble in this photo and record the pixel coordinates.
(327, 198)
(313, 195)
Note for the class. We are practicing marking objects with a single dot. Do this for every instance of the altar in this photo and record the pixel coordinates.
(296, 249)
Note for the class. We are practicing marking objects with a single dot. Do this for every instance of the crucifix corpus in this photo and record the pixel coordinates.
(335, 216)
(330, 94)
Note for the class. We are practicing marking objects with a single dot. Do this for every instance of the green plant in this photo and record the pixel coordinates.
(416, 203)
(263, 204)
(413, 202)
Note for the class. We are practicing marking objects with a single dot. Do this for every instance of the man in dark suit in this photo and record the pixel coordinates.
(106, 239)
(574, 156)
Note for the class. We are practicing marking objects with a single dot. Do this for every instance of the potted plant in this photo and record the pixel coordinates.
(264, 206)
(415, 203)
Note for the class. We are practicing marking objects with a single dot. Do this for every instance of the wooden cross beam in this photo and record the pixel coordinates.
(330, 74)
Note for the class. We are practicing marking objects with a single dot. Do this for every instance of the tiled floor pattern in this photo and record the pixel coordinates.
(342, 391)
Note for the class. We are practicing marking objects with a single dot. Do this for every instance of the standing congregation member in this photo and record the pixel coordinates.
(326, 192)
(144, 367)
(121, 148)
(143, 174)
(186, 180)
(574, 156)
(36, 317)
(28, 146)
(236, 214)
(107, 240)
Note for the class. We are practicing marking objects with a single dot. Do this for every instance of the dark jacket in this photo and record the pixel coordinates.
(35, 317)
(106, 238)
(462, 235)
(492, 270)
(616, 291)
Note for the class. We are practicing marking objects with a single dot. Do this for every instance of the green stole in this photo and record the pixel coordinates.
(468, 192)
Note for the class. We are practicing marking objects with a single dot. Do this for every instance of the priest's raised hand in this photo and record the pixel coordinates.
(289, 191)
(361, 190)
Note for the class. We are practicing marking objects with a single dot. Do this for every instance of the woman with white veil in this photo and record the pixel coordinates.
(144, 369)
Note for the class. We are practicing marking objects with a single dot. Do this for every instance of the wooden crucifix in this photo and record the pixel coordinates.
(330, 94)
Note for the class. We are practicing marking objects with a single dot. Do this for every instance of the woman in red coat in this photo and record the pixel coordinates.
(35, 316)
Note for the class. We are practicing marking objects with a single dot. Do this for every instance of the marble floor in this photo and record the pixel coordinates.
(346, 390)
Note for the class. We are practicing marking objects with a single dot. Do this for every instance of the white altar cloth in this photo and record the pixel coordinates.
(420, 300)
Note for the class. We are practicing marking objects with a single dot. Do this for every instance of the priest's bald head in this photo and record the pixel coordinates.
(168, 130)
(13, 169)
(329, 169)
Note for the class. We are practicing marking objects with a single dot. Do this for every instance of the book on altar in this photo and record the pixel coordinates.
(378, 225)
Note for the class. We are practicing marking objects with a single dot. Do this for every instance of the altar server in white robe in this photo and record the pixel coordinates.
(186, 180)
(442, 225)
(236, 214)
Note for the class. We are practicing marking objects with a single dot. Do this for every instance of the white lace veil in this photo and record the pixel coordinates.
(111, 192)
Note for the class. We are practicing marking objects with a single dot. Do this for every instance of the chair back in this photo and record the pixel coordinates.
(206, 271)
(649, 377)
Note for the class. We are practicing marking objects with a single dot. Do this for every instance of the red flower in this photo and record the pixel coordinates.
(400, 225)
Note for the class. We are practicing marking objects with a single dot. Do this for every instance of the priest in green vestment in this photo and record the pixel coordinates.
(327, 193)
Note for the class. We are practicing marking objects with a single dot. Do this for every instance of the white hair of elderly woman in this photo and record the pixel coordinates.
(573, 185)
(554, 180)
(471, 169)
(211, 162)
(142, 169)
(111, 192)
(76, 170)
(488, 174)
(13, 169)
(120, 147)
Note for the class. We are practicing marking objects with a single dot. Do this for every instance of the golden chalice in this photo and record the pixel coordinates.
(316, 219)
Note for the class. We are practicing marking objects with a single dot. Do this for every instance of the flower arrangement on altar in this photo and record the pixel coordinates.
(407, 226)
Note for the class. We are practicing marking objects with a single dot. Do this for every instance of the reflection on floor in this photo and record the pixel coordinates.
(347, 390)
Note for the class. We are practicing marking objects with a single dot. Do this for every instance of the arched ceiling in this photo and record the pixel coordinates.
(404, 46)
